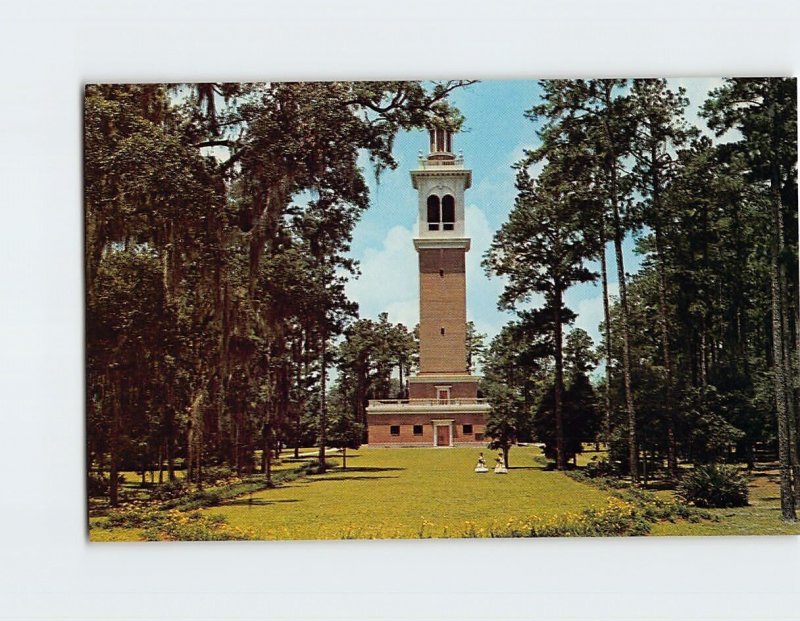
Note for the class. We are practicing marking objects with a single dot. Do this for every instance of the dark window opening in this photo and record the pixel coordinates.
(448, 212)
(442, 330)
(394, 430)
(434, 214)
(441, 273)
(467, 430)
(448, 208)
(417, 430)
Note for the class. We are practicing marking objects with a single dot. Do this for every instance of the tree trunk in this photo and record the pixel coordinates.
(633, 455)
(561, 461)
(607, 320)
(344, 457)
(619, 232)
(113, 483)
(778, 354)
(672, 460)
(323, 414)
(189, 463)
(170, 440)
(784, 448)
(267, 455)
(160, 464)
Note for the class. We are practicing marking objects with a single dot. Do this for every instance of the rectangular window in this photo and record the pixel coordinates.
(394, 430)
(433, 226)
(417, 430)
(447, 226)
(467, 430)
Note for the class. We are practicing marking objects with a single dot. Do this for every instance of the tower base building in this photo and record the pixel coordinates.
(443, 408)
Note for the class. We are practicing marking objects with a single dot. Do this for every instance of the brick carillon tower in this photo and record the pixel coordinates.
(442, 408)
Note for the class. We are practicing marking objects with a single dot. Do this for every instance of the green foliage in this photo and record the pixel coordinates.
(215, 475)
(173, 525)
(97, 485)
(714, 485)
(581, 419)
(215, 284)
(598, 468)
(503, 421)
(476, 346)
(616, 519)
(193, 526)
(169, 490)
(315, 467)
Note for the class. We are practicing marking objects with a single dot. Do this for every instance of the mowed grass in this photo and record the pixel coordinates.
(761, 517)
(409, 493)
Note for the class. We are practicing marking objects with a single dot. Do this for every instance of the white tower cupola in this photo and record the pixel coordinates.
(441, 180)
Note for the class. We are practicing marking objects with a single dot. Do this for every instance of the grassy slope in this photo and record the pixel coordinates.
(395, 493)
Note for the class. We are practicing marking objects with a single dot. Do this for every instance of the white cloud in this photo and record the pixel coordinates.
(587, 302)
(388, 281)
(482, 291)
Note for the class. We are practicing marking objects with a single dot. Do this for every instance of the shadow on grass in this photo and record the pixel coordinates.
(375, 478)
(256, 502)
(369, 469)
(659, 485)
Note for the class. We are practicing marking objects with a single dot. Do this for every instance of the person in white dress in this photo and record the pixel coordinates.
(481, 466)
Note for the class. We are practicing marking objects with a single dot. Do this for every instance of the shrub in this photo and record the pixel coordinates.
(169, 490)
(193, 526)
(97, 485)
(131, 517)
(617, 518)
(714, 486)
(215, 474)
(313, 467)
(598, 468)
(174, 525)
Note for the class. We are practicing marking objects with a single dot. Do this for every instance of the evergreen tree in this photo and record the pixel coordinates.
(541, 250)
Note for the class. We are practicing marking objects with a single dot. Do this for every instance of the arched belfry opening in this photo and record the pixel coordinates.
(434, 213)
(448, 212)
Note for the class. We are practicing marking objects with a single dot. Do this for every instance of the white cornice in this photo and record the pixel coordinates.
(443, 171)
(441, 242)
(442, 378)
(409, 408)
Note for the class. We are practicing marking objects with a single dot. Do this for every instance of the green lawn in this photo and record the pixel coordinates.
(761, 517)
(387, 493)
(408, 492)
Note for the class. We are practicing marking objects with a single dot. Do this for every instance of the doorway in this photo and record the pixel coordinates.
(443, 435)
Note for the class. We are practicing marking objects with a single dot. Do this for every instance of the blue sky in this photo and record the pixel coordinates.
(493, 137)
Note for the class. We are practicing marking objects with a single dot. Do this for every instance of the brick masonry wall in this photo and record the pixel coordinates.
(458, 390)
(379, 429)
(443, 305)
